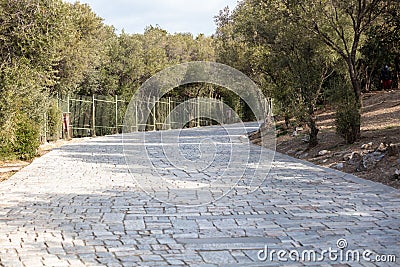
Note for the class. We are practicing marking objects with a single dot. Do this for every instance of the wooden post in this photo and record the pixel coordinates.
(266, 107)
(68, 103)
(198, 111)
(136, 116)
(68, 116)
(209, 111)
(272, 106)
(93, 116)
(221, 107)
(45, 127)
(116, 114)
(154, 113)
(169, 113)
(59, 134)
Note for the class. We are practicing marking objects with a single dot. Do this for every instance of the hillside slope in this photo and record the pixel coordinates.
(375, 157)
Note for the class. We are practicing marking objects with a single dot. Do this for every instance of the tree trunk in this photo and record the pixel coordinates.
(397, 70)
(313, 133)
(287, 120)
(355, 81)
(313, 127)
(356, 84)
(368, 78)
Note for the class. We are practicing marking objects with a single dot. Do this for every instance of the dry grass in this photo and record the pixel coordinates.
(9, 167)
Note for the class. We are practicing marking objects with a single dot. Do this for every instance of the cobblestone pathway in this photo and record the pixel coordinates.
(79, 206)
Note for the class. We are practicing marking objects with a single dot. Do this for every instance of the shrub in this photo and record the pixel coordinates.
(26, 137)
(5, 146)
(348, 121)
(54, 121)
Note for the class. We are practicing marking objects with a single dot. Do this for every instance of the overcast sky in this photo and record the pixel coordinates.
(194, 16)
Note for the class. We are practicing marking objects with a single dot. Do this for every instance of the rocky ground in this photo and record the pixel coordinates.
(375, 157)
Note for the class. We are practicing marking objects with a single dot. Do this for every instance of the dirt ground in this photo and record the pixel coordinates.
(380, 140)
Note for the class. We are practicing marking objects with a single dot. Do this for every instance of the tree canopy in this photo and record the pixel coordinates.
(50, 47)
(298, 52)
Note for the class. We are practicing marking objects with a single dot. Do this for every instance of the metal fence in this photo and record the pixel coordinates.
(91, 115)
(103, 115)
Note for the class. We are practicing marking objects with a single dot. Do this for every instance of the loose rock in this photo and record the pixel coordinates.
(323, 152)
(382, 147)
(356, 160)
(339, 166)
(302, 156)
(371, 159)
(396, 175)
(348, 156)
(367, 146)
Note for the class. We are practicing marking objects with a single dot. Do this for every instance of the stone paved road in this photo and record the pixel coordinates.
(78, 206)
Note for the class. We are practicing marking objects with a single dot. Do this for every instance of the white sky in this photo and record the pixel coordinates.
(194, 16)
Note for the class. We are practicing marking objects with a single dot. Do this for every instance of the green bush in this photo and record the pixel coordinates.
(54, 122)
(348, 121)
(5, 146)
(26, 137)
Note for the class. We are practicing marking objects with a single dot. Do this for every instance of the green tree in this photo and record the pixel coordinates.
(381, 47)
(85, 50)
(46, 46)
(342, 26)
(154, 46)
(125, 66)
(289, 63)
(31, 33)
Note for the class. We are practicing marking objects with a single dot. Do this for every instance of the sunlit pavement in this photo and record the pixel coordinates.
(79, 206)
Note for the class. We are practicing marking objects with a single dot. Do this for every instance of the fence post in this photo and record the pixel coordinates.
(116, 113)
(45, 127)
(68, 103)
(60, 129)
(154, 113)
(68, 112)
(169, 113)
(93, 116)
(136, 116)
(68, 116)
(271, 100)
(266, 107)
(221, 107)
(210, 116)
(198, 111)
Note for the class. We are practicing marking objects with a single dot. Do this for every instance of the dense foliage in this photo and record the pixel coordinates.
(49, 48)
(296, 51)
